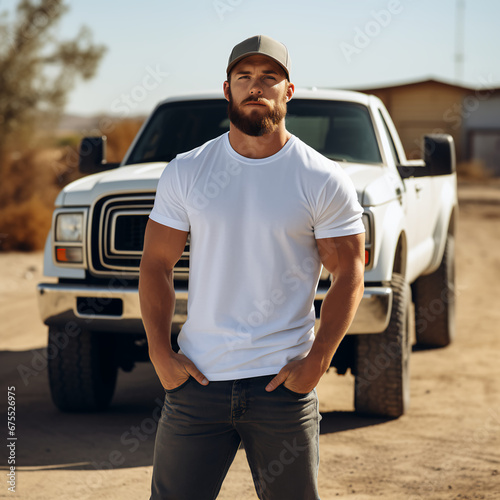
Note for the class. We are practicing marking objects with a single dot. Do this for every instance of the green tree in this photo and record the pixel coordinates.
(37, 71)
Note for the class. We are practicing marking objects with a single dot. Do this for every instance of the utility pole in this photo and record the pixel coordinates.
(459, 39)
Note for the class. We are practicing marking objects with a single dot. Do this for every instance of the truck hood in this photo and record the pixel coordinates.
(132, 178)
(374, 183)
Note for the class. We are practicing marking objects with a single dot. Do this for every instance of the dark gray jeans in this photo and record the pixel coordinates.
(201, 428)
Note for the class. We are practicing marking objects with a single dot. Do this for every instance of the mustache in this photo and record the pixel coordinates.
(253, 99)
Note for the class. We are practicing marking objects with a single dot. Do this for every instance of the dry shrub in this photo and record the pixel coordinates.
(30, 182)
(29, 187)
(28, 174)
(24, 226)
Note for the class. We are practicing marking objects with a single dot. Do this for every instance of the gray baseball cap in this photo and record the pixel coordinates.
(260, 45)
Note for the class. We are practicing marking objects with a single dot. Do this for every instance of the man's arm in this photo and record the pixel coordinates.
(344, 258)
(163, 247)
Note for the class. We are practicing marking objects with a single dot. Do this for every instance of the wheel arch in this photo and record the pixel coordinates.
(391, 245)
(446, 225)
(400, 255)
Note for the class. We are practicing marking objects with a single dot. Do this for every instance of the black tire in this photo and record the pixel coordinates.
(434, 296)
(82, 370)
(382, 383)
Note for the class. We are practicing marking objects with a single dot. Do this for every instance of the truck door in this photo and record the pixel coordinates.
(418, 209)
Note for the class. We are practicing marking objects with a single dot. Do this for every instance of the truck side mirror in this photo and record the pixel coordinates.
(439, 154)
(92, 156)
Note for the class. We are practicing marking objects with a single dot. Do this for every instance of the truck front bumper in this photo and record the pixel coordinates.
(117, 310)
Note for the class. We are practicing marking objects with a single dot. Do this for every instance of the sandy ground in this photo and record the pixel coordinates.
(446, 447)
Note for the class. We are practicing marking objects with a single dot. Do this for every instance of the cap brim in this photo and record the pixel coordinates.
(256, 53)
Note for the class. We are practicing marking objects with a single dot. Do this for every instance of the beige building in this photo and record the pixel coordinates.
(471, 116)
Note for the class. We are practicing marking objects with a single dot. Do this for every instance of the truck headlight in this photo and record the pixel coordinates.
(368, 223)
(69, 227)
(69, 254)
(368, 232)
(69, 237)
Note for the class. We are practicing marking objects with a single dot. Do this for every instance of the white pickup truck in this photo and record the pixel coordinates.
(95, 244)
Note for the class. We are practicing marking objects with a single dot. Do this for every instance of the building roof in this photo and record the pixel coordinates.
(425, 81)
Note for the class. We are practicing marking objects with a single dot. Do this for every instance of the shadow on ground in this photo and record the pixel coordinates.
(120, 437)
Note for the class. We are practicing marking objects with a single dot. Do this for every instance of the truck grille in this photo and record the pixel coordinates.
(117, 235)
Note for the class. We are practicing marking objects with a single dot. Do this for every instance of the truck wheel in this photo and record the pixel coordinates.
(434, 297)
(82, 370)
(382, 383)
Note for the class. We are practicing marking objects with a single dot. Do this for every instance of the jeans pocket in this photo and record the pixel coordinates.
(296, 394)
(178, 388)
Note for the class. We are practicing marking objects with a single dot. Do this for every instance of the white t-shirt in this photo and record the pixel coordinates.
(254, 263)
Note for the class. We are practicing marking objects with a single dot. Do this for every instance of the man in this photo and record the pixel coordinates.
(249, 360)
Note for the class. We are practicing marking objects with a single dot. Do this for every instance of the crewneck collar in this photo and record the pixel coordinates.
(257, 161)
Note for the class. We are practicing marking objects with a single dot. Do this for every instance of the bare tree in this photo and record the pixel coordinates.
(37, 71)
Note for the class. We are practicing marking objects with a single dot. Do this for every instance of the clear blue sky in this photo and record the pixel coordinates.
(158, 48)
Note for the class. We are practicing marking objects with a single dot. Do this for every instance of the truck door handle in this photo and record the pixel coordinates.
(418, 187)
(399, 194)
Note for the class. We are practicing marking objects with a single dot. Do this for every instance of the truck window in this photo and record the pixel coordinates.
(179, 127)
(394, 151)
(341, 131)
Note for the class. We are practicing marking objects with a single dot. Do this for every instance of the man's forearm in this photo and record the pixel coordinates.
(157, 300)
(337, 312)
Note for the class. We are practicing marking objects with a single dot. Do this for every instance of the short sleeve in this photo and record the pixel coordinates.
(338, 212)
(169, 207)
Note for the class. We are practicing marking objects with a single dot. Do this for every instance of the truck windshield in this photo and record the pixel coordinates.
(342, 131)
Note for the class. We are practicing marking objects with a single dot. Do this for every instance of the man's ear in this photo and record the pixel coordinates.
(290, 91)
(226, 90)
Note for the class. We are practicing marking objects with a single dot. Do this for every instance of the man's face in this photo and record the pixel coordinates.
(257, 93)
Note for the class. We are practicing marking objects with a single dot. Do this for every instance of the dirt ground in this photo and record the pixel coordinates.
(446, 447)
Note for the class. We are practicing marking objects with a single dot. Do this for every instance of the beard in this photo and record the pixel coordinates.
(256, 123)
